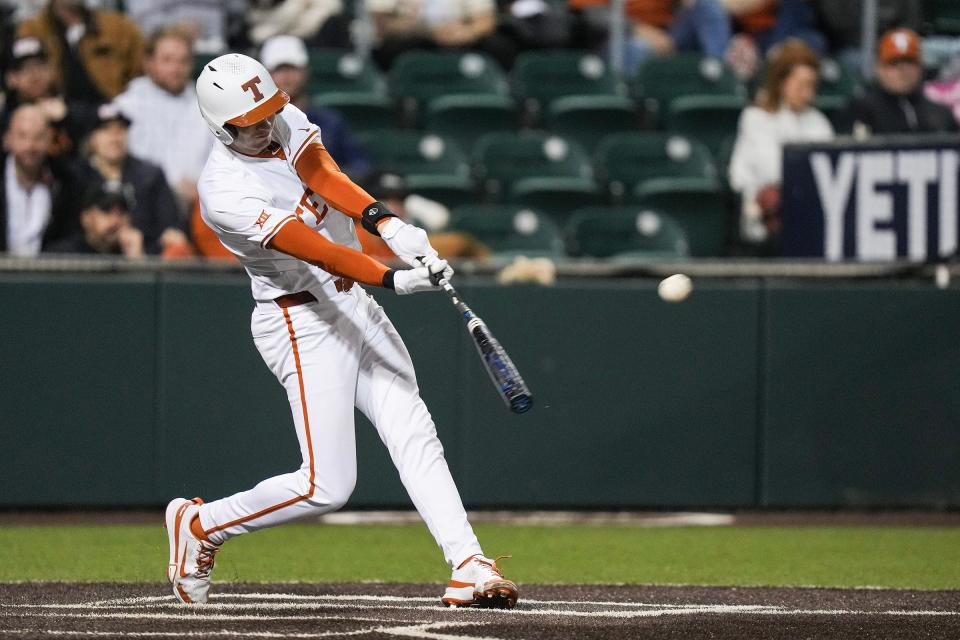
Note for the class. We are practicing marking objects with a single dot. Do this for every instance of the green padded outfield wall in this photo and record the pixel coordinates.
(862, 396)
(129, 389)
(78, 369)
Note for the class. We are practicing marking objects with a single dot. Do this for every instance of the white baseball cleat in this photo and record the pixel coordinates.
(191, 559)
(478, 582)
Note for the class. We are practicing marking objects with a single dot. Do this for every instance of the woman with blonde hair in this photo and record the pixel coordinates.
(782, 113)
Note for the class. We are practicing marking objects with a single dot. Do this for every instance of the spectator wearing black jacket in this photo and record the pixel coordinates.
(35, 192)
(895, 102)
(105, 226)
(153, 207)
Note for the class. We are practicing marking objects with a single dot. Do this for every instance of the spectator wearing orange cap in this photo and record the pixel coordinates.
(895, 102)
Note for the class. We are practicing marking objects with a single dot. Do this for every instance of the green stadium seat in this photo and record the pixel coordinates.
(697, 204)
(361, 111)
(542, 76)
(450, 191)
(606, 232)
(503, 158)
(467, 117)
(419, 76)
(587, 119)
(660, 80)
(340, 72)
(709, 119)
(836, 80)
(555, 196)
(413, 152)
(510, 229)
(624, 161)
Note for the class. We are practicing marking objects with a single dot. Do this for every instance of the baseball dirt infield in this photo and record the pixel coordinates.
(381, 611)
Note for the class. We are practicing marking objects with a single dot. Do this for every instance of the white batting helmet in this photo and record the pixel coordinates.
(235, 89)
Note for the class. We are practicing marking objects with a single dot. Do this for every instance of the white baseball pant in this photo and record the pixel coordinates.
(330, 356)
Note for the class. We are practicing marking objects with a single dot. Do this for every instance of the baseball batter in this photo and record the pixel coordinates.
(277, 200)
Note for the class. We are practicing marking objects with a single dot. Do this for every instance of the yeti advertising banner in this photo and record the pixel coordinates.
(886, 199)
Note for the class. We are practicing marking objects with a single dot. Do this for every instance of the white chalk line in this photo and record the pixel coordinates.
(183, 634)
(299, 602)
(319, 600)
(196, 616)
(425, 631)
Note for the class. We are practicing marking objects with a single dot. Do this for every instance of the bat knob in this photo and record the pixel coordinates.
(521, 403)
(435, 278)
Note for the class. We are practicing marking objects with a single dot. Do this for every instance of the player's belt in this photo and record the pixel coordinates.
(294, 299)
(305, 297)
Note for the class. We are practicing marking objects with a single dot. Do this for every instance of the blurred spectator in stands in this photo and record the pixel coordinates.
(106, 226)
(153, 207)
(31, 80)
(391, 190)
(769, 22)
(321, 23)
(402, 25)
(782, 113)
(36, 193)
(842, 21)
(945, 89)
(205, 20)
(895, 103)
(166, 127)
(94, 53)
(535, 24)
(762, 24)
(664, 27)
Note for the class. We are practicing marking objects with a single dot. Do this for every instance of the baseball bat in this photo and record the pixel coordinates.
(506, 379)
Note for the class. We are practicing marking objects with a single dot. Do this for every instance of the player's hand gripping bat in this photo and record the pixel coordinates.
(506, 379)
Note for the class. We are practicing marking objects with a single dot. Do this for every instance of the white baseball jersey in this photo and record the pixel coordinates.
(246, 200)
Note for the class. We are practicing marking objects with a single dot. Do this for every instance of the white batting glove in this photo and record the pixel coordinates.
(433, 264)
(405, 240)
(419, 279)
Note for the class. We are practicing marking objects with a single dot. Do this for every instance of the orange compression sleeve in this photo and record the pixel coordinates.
(321, 173)
(302, 242)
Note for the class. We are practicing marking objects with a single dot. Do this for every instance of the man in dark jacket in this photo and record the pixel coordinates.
(895, 103)
(35, 193)
(106, 227)
(153, 208)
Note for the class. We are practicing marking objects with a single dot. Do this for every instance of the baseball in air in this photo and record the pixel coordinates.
(676, 288)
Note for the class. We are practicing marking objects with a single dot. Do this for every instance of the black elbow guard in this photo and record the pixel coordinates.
(374, 213)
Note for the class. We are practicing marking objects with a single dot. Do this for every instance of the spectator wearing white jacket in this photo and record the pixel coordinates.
(166, 127)
(782, 114)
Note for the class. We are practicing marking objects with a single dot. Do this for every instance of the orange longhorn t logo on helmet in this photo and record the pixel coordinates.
(251, 85)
